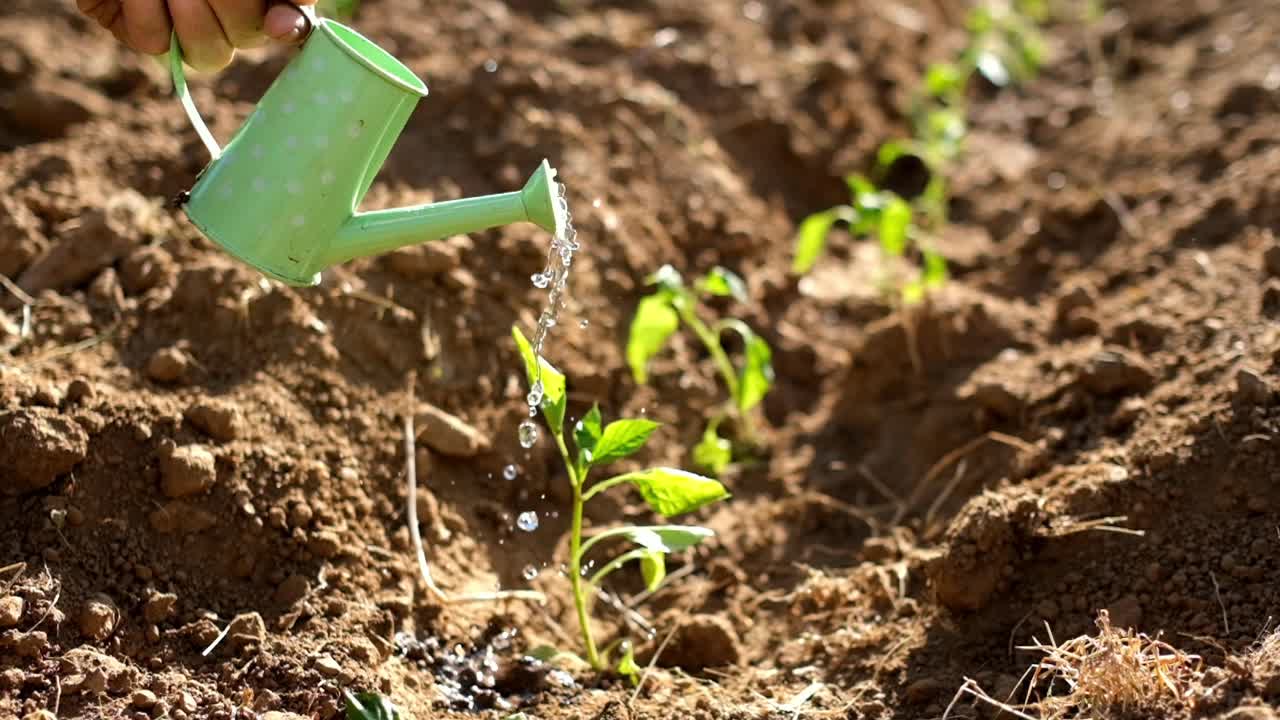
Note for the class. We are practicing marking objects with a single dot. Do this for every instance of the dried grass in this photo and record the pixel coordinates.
(1114, 671)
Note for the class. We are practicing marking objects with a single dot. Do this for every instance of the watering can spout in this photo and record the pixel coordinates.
(372, 233)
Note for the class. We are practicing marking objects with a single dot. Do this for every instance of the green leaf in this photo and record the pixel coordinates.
(757, 374)
(935, 269)
(653, 324)
(891, 151)
(371, 706)
(943, 80)
(946, 127)
(893, 226)
(812, 237)
(723, 282)
(627, 666)
(666, 538)
(653, 566)
(868, 203)
(859, 185)
(713, 453)
(554, 397)
(667, 278)
(340, 9)
(586, 433)
(993, 68)
(672, 492)
(913, 292)
(543, 653)
(622, 438)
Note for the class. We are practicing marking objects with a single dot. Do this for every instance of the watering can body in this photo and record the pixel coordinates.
(283, 195)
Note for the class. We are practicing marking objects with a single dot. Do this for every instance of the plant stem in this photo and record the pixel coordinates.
(575, 555)
(711, 340)
(712, 343)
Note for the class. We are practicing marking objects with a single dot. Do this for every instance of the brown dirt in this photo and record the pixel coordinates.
(184, 447)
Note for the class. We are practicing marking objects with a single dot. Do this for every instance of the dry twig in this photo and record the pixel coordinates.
(411, 478)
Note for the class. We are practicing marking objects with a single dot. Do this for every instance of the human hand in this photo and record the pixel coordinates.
(209, 31)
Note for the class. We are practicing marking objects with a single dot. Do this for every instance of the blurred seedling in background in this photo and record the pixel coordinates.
(885, 215)
(371, 706)
(338, 9)
(667, 491)
(673, 303)
(1006, 48)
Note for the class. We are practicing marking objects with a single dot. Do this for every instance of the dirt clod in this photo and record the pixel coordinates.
(247, 629)
(11, 608)
(448, 434)
(702, 641)
(294, 588)
(49, 106)
(1271, 259)
(187, 470)
(1116, 372)
(79, 390)
(96, 240)
(160, 607)
(143, 699)
(328, 666)
(1251, 388)
(324, 544)
(423, 261)
(220, 421)
(99, 617)
(36, 446)
(168, 365)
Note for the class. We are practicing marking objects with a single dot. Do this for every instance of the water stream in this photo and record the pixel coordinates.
(554, 278)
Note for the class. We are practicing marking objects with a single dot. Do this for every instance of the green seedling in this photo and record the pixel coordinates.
(370, 706)
(879, 213)
(660, 314)
(1005, 47)
(340, 9)
(667, 491)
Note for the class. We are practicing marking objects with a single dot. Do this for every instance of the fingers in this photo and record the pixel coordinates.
(204, 44)
(146, 25)
(241, 21)
(285, 23)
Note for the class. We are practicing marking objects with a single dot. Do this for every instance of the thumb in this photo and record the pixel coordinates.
(286, 23)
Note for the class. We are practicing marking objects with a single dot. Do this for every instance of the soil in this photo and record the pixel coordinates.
(1084, 419)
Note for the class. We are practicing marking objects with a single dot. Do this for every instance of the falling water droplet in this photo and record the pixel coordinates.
(530, 572)
(528, 434)
(540, 280)
(490, 65)
(509, 472)
(528, 521)
(584, 324)
(533, 412)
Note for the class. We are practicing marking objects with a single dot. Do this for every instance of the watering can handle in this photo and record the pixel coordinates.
(184, 94)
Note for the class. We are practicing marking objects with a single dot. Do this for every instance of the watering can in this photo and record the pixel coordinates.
(283, 194)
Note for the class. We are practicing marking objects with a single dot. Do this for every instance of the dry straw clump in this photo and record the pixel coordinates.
(1113, 671)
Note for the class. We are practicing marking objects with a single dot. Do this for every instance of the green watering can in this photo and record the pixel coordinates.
(282, 196)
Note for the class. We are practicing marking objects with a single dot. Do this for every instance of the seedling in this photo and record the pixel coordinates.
(340, 9)
(887, 216)
(673, 303)
(667, 491)
(370, 706)
(1005, 47)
